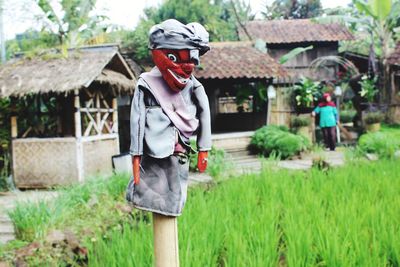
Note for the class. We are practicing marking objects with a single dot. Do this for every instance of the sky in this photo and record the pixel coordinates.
(19, 15)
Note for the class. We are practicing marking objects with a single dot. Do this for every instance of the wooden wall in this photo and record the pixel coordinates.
(300, 64)
(281, 107)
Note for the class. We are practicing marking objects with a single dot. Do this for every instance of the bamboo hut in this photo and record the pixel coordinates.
(82, 91)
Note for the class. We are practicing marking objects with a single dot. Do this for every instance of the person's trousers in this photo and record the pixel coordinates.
(329, 134)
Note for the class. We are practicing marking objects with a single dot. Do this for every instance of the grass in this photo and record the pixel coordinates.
(384, 143)
(89, 211)
(217, 165)
(344, 217)
(33, 220)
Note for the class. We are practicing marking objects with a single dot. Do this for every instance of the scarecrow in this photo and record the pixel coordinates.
(168, 108)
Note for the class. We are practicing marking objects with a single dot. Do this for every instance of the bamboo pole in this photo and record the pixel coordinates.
(14, 127)
(78, 135)
(166, 249)
(115, 115)
(77, 115)
(98, 114)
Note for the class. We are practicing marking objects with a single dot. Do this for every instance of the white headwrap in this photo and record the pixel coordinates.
(172, 34)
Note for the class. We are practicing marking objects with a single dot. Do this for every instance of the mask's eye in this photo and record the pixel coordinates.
(172, 57)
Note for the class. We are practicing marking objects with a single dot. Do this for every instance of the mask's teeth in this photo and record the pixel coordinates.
(179, 78)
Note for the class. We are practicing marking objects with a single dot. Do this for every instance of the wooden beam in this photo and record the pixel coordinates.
(14, 127)
(94, 110)
(95, 125)
(77, 115)
(115, 115)
(98, 114)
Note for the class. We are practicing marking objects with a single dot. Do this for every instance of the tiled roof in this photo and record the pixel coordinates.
(238, 60)
(295, 31)
(394, 58)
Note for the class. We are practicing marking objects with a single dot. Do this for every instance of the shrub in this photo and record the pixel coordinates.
(384, 143)
(347, 116)
(297, 122)
(368, 87)
(278, 140)
(374, 117)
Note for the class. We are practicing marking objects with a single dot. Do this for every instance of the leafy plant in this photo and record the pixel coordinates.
(374, 117)
(368, 87)
(347, 116)
(294, 53)
(298, 121)
(306, 92)
(277, 139)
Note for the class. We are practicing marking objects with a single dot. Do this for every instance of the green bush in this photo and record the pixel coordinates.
(279, 141)
(374, 117)
(347, 116)
(383, 143)
(297, 122)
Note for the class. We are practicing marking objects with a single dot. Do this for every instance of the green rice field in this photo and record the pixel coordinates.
(349, 216)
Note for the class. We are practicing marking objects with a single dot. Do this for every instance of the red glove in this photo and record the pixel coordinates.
(136, 169)
(202, 159)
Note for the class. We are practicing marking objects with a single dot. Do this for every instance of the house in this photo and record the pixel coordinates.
(73, 103)
(236, 76)
(281, 36)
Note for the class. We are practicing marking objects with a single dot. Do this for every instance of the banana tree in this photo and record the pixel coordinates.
(74, 24)
(381, 19)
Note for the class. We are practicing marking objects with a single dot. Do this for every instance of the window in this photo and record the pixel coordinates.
(229, 104)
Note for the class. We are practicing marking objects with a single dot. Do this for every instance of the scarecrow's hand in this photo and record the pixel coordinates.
(202, 161)
(136, 169)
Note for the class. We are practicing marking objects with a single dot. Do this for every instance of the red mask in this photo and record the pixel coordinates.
(175, 66)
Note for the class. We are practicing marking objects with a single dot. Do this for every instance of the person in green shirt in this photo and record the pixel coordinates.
(328, 119)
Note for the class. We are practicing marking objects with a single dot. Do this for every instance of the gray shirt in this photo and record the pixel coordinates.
(152, 131)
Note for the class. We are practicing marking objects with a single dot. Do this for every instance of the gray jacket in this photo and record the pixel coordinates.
(152, 131)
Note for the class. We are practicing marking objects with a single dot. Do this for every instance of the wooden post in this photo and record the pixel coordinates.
(115, 115)
(78, 135)
(98, 114)
(77, 114)
(166, 248)
(14, 127)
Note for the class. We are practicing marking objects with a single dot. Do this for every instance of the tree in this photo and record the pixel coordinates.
(220, 18)
(75, 24)
(31, 41)
(293, 9)
(381, 18)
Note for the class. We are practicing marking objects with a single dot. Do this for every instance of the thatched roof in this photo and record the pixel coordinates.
(80, 69)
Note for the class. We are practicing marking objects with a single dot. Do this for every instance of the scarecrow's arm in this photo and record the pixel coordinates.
(138, 112)
(204, 132)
